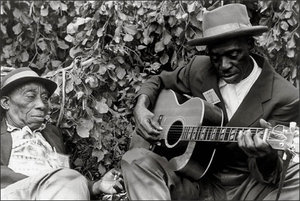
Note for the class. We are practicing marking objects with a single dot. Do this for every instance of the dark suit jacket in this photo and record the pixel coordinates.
(8, 176)
(271, 97)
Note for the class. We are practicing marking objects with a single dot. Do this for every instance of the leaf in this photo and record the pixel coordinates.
(100, 32)
(167, 38)
(74, 51)
(128, 38)
(130, 29)
(92, 81)
(164, 59)
(69, 38)
(44, 11)
(84, 126)
(159, 46)
(55, 63)
(120, 72)
(62, 45)
(54, 5)
(101, 106)
(291, 53)
(291, 43)
(191, 7)
(99, 154)
(24, 56)
(42, 44)
(17, 28)
(284, 25)
(17, 13)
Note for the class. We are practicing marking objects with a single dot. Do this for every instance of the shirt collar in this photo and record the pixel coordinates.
(11, 128)
(222, 82)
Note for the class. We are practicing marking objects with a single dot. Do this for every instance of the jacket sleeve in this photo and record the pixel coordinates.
(268, 170)
(8, 176)
(177, 80)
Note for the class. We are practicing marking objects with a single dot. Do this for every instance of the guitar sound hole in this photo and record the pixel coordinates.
(174, 133)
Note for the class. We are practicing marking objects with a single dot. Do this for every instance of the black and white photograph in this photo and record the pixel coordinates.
(149, 100)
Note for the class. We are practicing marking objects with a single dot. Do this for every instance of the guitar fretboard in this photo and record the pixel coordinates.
(216, 134)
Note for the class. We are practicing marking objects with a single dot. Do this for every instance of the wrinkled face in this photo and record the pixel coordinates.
(26, 106)
(231, 59)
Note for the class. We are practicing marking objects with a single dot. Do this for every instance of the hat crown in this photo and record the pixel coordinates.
(225, 19)
(17, 73)
(23, 75)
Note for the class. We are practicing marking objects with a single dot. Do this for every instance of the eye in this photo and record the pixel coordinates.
(44, 97)
(234, 54)
(30, 95)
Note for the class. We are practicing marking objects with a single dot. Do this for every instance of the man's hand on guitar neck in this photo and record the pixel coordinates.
(253, 145)
(147, 127)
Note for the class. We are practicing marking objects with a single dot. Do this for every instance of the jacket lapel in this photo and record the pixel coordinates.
(210, 82)
(6, 144)
(251, 109)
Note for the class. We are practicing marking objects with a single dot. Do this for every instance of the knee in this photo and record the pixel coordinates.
(143, 159)
(70, 175)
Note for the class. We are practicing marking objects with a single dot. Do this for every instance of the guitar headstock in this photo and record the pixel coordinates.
(281, 137)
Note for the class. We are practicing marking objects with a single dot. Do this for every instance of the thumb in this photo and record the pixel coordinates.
(265, 124)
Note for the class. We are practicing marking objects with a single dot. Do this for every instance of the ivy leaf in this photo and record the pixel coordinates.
(99, 154)
(167, 38)
(128, 38)
(191, 7)
(92, 81)
(17, 28)
(62, 45)
(101, 106)
(84, 126)
(130, 29)
(159, 46)
(55, 63)
(42, 44)
(164, 59)
(69, 38)
(44, 10)
(24, 56)
(284, 25)
(17, 13)
(54, 5)
(74, 51)
(100, 32)
(120, 72)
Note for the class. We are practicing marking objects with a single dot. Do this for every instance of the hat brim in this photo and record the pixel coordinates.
(48, 84)
(247, 31)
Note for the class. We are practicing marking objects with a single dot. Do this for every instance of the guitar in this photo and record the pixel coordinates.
(183, 127)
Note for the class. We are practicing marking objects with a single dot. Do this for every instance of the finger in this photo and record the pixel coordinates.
(248, 140)
(148, 127)
(240, 139)
(261, 146)
(155, 125)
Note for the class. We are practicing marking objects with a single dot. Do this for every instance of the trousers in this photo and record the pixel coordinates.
(59, 184)
(147, 176)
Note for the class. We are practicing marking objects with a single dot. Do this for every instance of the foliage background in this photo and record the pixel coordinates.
(99, 53)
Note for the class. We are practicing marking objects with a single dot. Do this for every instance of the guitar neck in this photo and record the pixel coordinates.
(214, 134)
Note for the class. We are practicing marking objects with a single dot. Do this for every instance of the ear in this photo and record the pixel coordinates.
(4, 101)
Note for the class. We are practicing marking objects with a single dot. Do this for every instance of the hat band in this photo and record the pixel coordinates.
(224, 28)
(20, 75)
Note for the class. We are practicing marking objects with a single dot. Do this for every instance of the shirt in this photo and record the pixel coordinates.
(31, 153)
(234, 94)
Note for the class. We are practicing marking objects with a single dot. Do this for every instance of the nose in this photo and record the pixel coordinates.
(225, 63)
(40, 104)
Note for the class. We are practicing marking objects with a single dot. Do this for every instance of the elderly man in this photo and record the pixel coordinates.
(247, 90)
(33, 161)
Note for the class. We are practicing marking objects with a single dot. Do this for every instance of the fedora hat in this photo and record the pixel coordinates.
(21, 76)
(226, 22)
